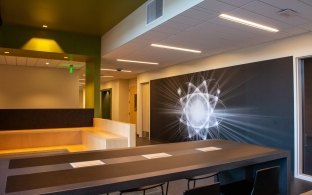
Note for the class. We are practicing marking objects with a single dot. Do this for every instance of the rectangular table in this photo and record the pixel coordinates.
(127, 168)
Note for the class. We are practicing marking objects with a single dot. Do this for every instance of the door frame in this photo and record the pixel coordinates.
(142, 94)
(298, 117)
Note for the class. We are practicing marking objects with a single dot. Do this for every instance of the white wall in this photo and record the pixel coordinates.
(34, 87)
(120, 96)
(294, 46)
(124, 100)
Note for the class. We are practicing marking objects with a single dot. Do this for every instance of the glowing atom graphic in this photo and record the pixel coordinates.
(198, 109)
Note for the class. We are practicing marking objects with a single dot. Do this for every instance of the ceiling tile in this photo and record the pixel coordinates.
(201, 28)
(2, 60)
(216, 6)
(272, 12)
(171, 28)
(307, 26)
(185, 20)
(153, 36)
(197, 13)
(31, 61)
(53, 63)
(21, 60)
(303, 9)
(308, 2)
(42, 62)
(237, 3)
(283, 27)
(11, 60)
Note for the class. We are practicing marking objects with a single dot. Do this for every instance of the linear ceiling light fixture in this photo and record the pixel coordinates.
(139, 62)
(248, 23)
(108, 69)
(115, 70)
(104, 76)
(175, 48)
(125, 70)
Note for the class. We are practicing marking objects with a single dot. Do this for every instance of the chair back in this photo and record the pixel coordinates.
(213, 189)
(266, 181)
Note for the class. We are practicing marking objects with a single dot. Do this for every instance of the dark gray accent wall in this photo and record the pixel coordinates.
(306, 116)
(15, 119)
(255, 105)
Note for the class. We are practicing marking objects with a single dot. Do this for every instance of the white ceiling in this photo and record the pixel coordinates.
(39, 62)
(201, 28)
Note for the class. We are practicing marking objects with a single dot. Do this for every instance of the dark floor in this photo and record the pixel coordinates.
(297, 186)
(144, 141)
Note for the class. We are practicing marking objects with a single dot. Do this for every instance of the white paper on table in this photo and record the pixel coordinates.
(208, 149)
(156, 155)
(87, 163)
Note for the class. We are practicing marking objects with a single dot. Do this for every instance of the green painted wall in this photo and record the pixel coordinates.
(44, 40)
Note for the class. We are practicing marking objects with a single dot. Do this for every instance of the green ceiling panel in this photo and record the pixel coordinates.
(93, 17)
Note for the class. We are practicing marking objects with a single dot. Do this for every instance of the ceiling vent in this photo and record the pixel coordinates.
(154, 10)
(287, 12)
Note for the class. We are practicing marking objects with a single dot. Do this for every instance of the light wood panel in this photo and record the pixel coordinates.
(11, 140)
(70, 139)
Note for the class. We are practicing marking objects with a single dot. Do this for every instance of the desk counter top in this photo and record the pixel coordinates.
(127, 168)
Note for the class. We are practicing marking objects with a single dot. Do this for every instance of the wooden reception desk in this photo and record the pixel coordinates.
(127, 168)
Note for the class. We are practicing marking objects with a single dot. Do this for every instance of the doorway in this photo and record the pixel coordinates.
(303, 106)
(146, 110)
(306, 138)
(133, 104)
(106, 103)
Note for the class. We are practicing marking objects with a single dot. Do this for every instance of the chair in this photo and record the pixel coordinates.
(266, 182)
(213, 189)
(200, 177)
(148, 187)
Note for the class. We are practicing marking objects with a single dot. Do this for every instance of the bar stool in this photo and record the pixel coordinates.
(200, 177)
(265, 182)
(148, 187)
(212, 189)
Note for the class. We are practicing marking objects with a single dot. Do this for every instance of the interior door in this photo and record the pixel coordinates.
(106, 102)
(133, 104)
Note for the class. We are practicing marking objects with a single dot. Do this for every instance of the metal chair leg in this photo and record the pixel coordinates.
(194, 183)
(167, 187)
(162, 190)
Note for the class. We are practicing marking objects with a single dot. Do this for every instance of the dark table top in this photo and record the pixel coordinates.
(126, 168)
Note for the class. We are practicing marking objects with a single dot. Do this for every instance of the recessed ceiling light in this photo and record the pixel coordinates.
(107, 69)
(44, 26)
(47, 63)
(248, 23)
(6, 52)
(175, 48)
(104, 76)
(139, 62)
